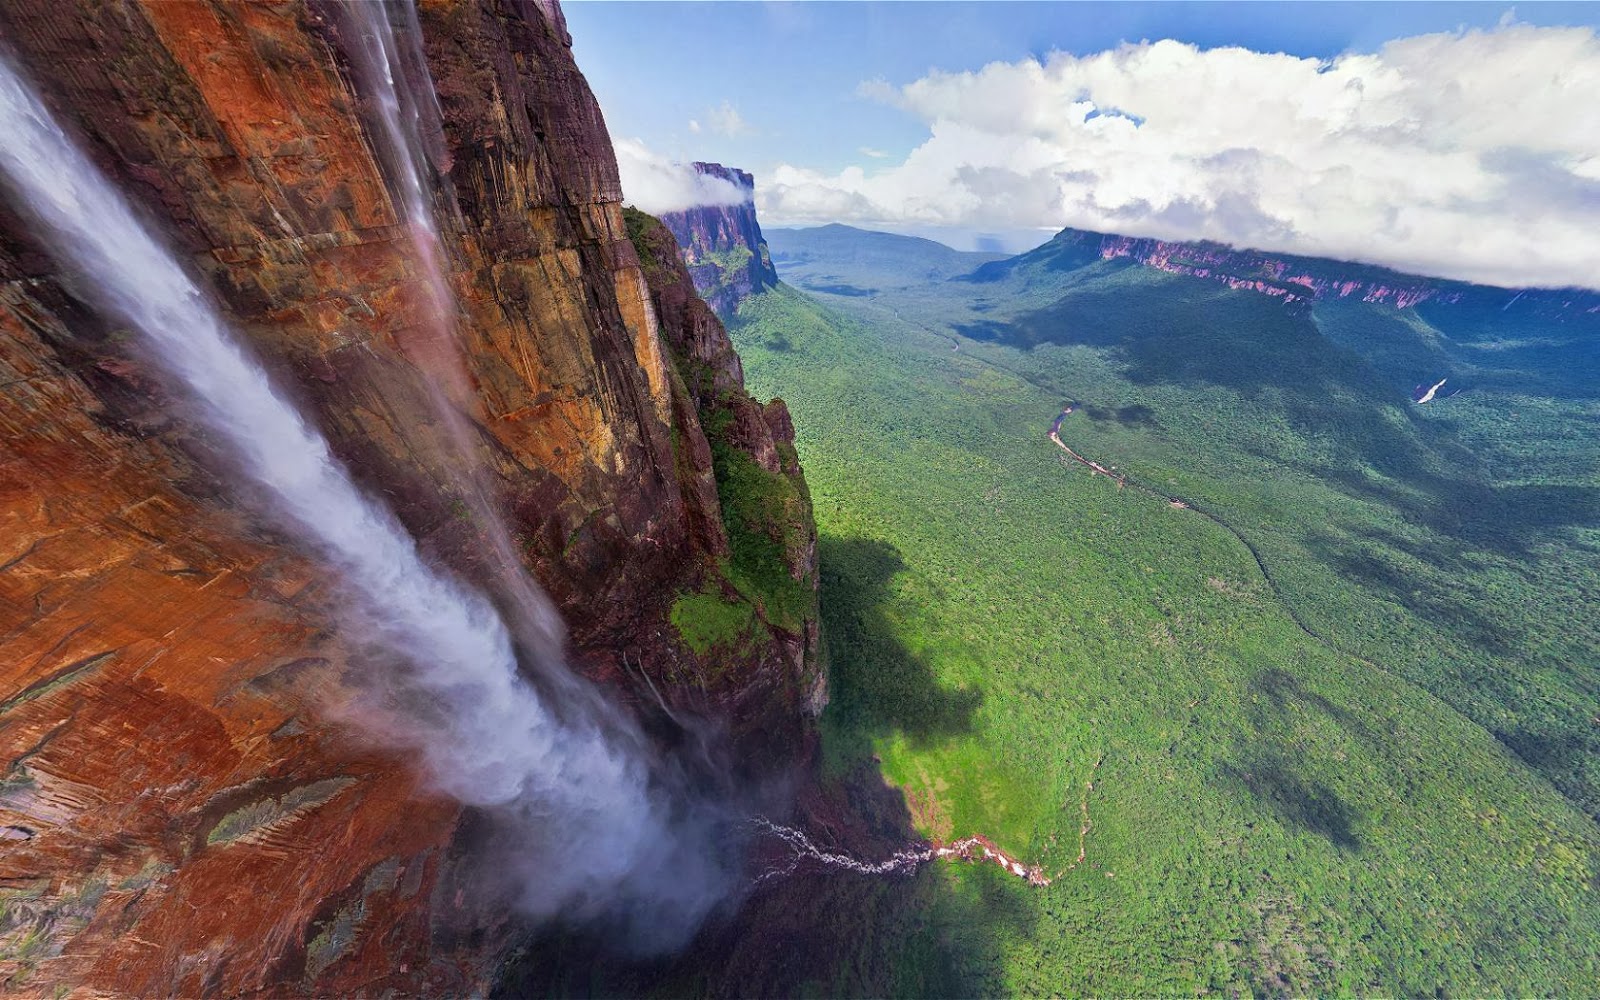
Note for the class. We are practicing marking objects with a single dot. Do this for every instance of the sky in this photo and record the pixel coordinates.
(1461, 140)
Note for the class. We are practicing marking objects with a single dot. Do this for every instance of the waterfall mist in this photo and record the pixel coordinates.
(609, 829)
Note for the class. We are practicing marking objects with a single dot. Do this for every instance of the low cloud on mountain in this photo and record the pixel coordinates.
(657, 184)
(1470, 155)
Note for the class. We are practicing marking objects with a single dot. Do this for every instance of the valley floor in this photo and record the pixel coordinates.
(1297, 785)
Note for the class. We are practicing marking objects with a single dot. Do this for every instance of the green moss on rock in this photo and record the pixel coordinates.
(768, 519)
(707, 620)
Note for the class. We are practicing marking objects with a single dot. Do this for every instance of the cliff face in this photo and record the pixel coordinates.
(179, 815)
(1287, 277)
(722, 245)
(770, 565)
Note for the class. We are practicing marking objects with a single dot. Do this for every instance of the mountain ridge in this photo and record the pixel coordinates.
(1292, 277)
(812, 257)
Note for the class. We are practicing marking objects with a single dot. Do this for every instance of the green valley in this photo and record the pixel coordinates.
(1333, 723)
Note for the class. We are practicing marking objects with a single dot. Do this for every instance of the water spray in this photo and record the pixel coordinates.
(603, 835)
(392, 72)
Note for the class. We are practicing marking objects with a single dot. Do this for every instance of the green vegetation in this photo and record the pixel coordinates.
(61, 678)
(767, 515)
(26, 919)
(707, 621)
(729, 262)
(16, 780)
(258, 819)
(646, 233)
(1400, 800)
(333, 941)
(152, 872)
(35, 924)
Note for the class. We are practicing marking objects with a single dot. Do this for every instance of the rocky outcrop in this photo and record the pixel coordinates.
(760, 492)
(180, 813)
(722, 244)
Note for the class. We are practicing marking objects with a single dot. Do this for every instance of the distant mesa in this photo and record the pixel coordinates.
(859, 263)
(722, 245)
(1292, 279)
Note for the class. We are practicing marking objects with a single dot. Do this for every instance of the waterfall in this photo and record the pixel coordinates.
(580, 784)
(397, 86)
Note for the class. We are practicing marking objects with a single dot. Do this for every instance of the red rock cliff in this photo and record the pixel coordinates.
(177, 814)
(722, 245)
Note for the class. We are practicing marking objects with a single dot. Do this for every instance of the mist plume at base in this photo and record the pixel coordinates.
(609, 829)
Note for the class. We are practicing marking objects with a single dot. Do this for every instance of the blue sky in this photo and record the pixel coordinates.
(792, 70)
(786, 90)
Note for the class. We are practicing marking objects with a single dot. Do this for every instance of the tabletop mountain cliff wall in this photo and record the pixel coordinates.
(178, 813)
(722, 245)
(1290, 278)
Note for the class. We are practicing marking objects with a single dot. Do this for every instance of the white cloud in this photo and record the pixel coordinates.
(694, 126)
(1471, 155)
(726, 120)
(876, 154)
(656, 184)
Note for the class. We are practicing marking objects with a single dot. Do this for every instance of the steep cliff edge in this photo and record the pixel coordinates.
(759, 490)
(722, 245)
(179, 813)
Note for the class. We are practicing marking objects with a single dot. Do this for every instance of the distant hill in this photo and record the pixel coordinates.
(1291, 278)
(843, 260)
(1415, 329)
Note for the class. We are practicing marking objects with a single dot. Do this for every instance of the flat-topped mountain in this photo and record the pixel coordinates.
(722, 244)
(843, 260)
(1286, 276)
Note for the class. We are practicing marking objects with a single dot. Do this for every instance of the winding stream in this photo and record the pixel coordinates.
(976, 848)
(1181, 503)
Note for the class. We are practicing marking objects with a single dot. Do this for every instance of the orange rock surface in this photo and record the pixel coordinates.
(179, 814)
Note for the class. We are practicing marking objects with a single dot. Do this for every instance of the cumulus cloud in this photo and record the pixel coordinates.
(656, 184)
(1470, 155)
(726, 120)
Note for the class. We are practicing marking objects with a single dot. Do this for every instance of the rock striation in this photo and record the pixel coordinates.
(181, 811)
(722, 245)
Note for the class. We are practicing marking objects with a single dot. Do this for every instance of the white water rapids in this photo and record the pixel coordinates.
(603, 836)
(1433, 391)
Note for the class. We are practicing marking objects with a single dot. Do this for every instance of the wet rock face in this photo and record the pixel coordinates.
(756, 493)
(178, 813)
(194, 821)
(722, 245)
